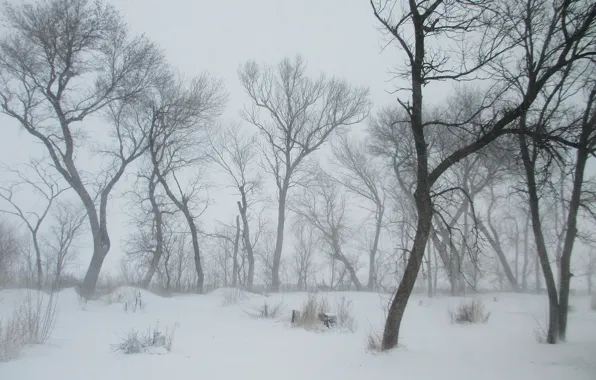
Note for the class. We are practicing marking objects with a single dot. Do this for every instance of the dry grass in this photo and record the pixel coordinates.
(31, 322)
(137, 342)
(374, 342)
(309, 315)
(345, 318)
(232, 296)
(266, 311)
(469, 313)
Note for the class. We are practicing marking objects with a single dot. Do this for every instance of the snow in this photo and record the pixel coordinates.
(213, 341)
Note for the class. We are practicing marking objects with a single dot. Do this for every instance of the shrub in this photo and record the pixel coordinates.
(150, 341)
(266, 311)
(540, 333)
(310, 315)
(31, 322)
(470, 312)
(345, 319)
(374, 342)
(232, 296)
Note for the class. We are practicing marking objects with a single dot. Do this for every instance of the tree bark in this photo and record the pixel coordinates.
(529, 166)
(158, 220)
(235, 256)
(571, 227)
(279, 241)
(243, 208)
(502, 258)
(372, 278)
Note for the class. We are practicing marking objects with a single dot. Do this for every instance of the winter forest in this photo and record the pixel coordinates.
(475, 176)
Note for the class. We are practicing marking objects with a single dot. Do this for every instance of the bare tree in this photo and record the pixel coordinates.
(62, 62)
(43, 184)
(66, 229)
(552, 118)
(235, 153)
(10, 252)
(323, 206)
(300, 114)
(481, 34)
(364, 179)
(181, 112)
(305, 244)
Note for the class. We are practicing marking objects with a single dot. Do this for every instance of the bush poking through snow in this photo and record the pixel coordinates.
(134, 303)
(308, 316)
(374, 342)
(593, 301)
(150, 341)
(345, 318)
(470, 312)
(31, 322)
(232, 296)
(266, 311)
(540, 333)
(316, 311)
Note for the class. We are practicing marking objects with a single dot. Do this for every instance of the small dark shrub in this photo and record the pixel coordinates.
(152, 340)
(470, 312)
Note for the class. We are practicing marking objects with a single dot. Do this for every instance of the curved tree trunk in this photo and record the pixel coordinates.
(158, 220)
(279, 241)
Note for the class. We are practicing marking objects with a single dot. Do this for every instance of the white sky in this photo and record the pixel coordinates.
(338, 37)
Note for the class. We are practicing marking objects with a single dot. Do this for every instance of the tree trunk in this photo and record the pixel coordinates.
(372, 279)
(38, 261)
(338, 255)
(529, 166)
(243, 208)
(499, 250)
(526, 255)
(235, 255)
(158, 236)
(402, 295)
(281, 222)
(571, 232)
(196, 251)
(429, 277)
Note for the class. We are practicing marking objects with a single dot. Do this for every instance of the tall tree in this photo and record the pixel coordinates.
(181, 112)
(323, 206)
(361, 177)
(235, 153)
(428, 32)
(300, 113)
(43, 184)
(62, 61)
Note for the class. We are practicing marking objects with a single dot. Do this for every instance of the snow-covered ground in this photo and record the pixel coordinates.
(223, 342)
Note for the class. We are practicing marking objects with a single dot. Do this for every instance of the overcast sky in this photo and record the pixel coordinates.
(338, 37)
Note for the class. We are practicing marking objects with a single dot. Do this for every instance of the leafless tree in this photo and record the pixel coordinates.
(366, 180)
(42, 182)
(483, 33)
(10, 252)
(181, 113)
(62, 62)
(68, 226)
(552, 118)
(235, 153)
(306, 242)
(300, 113)
(323, 206)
